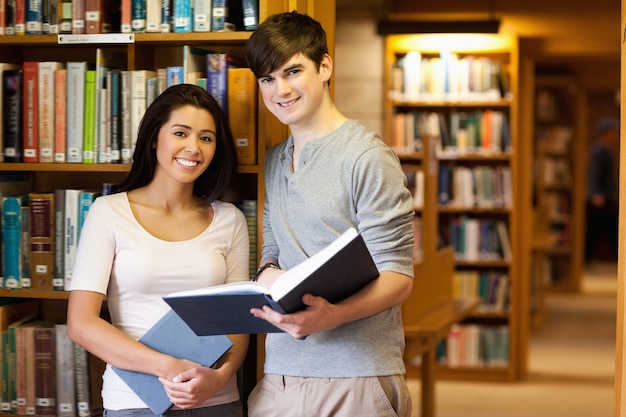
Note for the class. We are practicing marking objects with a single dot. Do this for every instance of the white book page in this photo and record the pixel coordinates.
(300, 272)
(240, 287)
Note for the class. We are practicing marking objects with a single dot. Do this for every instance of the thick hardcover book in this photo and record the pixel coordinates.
(34, 17)
(14, 363)
(94, 13)
(81, 381)
(153, 16)
(250, 14)
(58, 278)
(64, 363)
(202, 16)
(172, 336)
(242, 111)
(45, 378)
(11, 240)
(41, 239)
(138, 15)
(25, 244)
(182, 16)
(12, 114)
(78, 16)
(3, 67)
(336, 272)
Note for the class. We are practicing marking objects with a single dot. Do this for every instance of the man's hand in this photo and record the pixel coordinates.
(318, 315)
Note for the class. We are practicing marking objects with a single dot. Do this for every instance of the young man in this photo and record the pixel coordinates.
(341, 359)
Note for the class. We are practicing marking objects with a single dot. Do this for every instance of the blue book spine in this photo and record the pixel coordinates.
(85, 200)
(11, 240)
(138, 15)
(166, 16)
(116, 120)
(34, 18)
(174, 76)
(182, 16)
(219, 15)
(217, 79)
(250, 14)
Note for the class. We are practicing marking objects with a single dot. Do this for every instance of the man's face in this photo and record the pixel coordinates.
(294, 91)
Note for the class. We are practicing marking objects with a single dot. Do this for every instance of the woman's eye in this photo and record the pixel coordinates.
(206, 138)
(180, 134)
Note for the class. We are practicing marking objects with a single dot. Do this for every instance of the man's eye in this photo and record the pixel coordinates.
(266, 80)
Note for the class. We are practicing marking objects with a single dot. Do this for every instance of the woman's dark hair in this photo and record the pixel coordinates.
(218, 176)
(280, 37)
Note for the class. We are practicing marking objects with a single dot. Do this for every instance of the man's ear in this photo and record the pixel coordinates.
(326, 67)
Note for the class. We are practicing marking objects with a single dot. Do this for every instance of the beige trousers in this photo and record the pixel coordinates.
(286, 396)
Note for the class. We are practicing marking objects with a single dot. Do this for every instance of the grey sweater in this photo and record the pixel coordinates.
(348, 178)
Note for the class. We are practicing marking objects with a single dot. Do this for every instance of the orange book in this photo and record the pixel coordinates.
(30, 102)
(125, 21)
(242, 111)
(60, 116)
(46, 109)
(20, 17)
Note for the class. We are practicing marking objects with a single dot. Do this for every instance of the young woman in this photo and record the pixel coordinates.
(165, 231)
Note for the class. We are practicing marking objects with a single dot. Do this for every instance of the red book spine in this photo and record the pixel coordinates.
(31, 111)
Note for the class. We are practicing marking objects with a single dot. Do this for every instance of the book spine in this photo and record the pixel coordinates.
(71, 233)
(166, 16)
(137, 101)
(250, 14)
(30, 110)
(65, 14)
(217, 78)
(242, 111)
(89, 117)
(58, 279)
(42, 240)
(53, 16)
(81, 376)
(125, 123)
(219, 15)
(11, 241)
(20, 370)
(78, 17)
(10, 17)
(249, 208)
(3, 17)
(29, 346)
(175, 75)
(125, 10)
(25, 246)
(60, 114)
(153, 16)
(103, 141)
(64, 363)
(182, 16)
(114, 147)
(86, 199)
(47, 115)
(138, 15)
(20, 17)
(93, 16)
(34, 17)
(45, 395)
(202, 16)
(75, 105)
(12, 116)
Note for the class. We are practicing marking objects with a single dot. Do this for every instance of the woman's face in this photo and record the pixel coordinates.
(186, 144)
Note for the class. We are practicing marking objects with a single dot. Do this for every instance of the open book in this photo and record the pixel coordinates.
(172, 336)
(336, 272)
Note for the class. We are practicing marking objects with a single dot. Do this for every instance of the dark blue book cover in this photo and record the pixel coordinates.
(172, 336)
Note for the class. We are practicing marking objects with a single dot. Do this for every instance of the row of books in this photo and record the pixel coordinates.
(43, 372)
(491, 287)
(477, 240)
(480, 186)
(484, 131)
(36, 17)
(556, 172)
(473, 345)
(448, 77)
(415, 184)
(89, 113)
(40, 232)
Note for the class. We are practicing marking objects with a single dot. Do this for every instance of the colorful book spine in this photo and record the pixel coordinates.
(89, 118)
(138, 15)
(34, 17)
(182, 16)
(126, 21)
(166, 16)
(20, 17)
(217, 78)
(30, 111)
(3, 17)
(12, 114)
(65, 14)
(175, 75)
(60, 114)
(85, 200)
(47, 115)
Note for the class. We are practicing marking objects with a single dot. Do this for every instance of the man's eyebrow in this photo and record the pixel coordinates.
(294, 66)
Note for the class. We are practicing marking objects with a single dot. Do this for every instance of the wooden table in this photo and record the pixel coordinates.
(422, 337)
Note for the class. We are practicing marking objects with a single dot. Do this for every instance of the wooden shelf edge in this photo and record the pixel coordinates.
(41, 294)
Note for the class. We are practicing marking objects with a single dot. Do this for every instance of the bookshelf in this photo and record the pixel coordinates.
(559, 180)
(148, 51)
(440, 123)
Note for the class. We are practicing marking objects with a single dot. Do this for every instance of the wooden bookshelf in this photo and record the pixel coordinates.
(149, 51)
(440, 152)
(560, 178)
